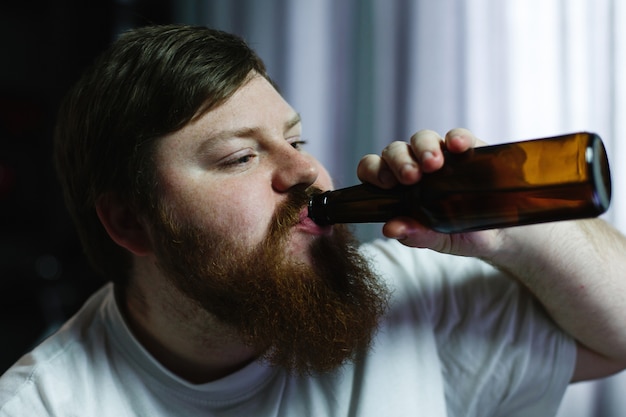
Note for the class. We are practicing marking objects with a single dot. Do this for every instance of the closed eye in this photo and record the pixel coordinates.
(298, 144)
(240, 160)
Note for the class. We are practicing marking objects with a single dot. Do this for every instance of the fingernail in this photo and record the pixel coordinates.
(427, 155)
(407, 169)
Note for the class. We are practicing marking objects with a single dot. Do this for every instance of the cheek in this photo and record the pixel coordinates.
(239, 219)
(232, 211)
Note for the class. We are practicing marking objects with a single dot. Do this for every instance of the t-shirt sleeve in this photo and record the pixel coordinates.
(500, 354)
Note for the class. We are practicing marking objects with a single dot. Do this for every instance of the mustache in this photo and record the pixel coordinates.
(287, 215)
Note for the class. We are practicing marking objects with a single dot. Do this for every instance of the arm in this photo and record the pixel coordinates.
(576, 269)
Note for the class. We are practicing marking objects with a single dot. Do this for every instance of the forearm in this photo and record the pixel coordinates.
(577, 270)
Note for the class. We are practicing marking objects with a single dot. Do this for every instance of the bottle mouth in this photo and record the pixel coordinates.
(316, 209)
(600, 172)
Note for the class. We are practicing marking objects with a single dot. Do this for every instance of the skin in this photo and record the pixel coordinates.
(238, 161)
(229, 169)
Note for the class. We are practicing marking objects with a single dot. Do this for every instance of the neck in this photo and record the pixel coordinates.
(178, 333)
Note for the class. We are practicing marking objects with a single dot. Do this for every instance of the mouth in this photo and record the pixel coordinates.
(307, 225)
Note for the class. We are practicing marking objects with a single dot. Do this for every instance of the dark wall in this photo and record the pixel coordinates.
(45, 45)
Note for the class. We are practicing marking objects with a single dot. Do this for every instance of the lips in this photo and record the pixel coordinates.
(307, 225)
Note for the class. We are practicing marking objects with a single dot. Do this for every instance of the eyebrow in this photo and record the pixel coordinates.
(243, 132)
(293, 121)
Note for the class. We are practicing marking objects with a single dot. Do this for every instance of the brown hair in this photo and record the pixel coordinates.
(152, 81)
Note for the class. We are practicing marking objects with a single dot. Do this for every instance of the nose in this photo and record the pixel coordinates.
(294, 167)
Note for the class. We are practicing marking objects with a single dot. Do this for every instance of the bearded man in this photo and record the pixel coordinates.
(185, 173)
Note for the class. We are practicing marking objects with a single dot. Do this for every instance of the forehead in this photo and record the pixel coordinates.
(255, 101)
(255, 107)
(256, 104)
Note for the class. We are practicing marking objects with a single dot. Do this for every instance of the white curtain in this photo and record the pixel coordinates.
(365, 72)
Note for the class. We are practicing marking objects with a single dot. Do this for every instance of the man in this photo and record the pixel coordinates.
(184, 171)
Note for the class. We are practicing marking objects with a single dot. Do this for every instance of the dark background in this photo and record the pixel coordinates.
(45, 46)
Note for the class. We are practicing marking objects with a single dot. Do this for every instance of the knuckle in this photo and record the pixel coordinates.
(367, 164)
(394, 149)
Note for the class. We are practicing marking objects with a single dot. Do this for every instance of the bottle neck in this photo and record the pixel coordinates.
(361, 203)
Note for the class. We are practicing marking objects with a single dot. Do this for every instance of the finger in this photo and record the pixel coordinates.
(374, 170)
(402, 162)
(460, 140)
(426, 145)
(410, 232)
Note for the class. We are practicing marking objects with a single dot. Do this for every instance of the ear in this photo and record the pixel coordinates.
(123, 225)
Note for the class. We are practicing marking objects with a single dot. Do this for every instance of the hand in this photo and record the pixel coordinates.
(405, 163)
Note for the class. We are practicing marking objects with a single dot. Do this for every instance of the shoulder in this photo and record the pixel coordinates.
(54, 370)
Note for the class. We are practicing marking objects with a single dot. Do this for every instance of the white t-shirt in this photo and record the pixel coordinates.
(460, 339)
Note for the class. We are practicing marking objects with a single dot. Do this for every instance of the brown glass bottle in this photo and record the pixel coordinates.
(535, 181)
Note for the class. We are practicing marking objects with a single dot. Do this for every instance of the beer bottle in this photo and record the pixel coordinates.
(534, 181)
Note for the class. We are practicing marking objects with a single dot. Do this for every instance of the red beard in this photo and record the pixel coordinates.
(305, 318)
